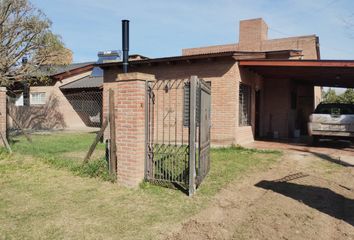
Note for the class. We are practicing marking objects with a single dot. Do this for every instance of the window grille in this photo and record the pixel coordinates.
(244, 105)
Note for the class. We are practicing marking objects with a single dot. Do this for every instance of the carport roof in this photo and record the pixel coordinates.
(330, 73)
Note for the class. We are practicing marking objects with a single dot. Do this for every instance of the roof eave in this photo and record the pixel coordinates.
(235, 55)
(192, 58)
(73, 72)
(297, 63)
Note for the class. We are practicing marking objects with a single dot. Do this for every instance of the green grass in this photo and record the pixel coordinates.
(170, 162)
(231, 163)
(43, 196)
(63, 150)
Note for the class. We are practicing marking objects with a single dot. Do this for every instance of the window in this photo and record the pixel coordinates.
(186, 104)
(37, 98)
(244, 105)
(19, 100)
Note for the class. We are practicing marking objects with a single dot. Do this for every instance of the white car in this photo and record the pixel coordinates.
(332, 121)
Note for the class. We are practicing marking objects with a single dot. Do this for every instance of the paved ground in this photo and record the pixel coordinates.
(308, 194)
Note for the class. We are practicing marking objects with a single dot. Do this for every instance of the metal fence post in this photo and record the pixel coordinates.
(192, 131)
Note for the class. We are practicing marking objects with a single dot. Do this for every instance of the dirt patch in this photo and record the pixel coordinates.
(303, 197)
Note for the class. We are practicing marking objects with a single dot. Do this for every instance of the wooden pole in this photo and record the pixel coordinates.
(6, 143)
(112, 128)
(19, 125)
(192, 131)
(95, 142)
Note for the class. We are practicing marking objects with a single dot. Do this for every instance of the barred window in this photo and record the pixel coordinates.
(244, 105)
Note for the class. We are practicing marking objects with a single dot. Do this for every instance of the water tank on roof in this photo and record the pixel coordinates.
(106, 57)
(109, 56)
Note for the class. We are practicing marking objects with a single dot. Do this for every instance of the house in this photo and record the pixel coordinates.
(260, 87)
(244, 105)
(71, 99)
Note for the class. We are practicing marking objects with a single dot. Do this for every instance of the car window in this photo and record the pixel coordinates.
(335, 109)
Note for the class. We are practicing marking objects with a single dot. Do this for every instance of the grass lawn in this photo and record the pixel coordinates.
(46, 193)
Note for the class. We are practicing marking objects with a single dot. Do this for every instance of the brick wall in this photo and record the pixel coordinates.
(210, 49)
(222, 74)
(245, 134)
(275, 113)
(167, 113)
(225, 77)
(318, 95)
(252, 33)
(253, 37)
(305, 43)
(129, 102)
(305, 105)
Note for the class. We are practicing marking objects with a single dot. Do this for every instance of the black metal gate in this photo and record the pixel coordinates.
(178, 132)
(204, 132)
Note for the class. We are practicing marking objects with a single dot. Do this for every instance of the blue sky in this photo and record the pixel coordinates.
(163, 27)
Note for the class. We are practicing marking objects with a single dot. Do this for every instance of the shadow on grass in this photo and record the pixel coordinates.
(322, 199)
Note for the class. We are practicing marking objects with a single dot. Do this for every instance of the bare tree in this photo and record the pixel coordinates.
(26, 42)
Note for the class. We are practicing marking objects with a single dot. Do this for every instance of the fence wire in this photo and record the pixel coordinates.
(55, 111)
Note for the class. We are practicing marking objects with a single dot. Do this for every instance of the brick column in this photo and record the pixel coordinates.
(129, 95)
(3, 113)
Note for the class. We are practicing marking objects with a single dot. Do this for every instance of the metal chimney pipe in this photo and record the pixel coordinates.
(125, 44)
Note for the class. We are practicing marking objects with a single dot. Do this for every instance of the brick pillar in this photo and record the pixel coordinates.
(3, 116)
(129, 95)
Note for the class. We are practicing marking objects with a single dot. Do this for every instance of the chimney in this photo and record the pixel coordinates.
(125, 44)
(252, 33)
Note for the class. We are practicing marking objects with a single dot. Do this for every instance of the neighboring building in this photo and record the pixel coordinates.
(248, 101)
(72, 99)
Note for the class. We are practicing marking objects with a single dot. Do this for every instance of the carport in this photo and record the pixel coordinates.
(291, 89)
